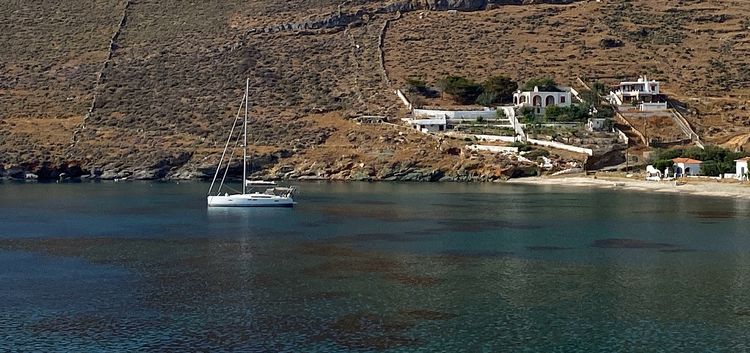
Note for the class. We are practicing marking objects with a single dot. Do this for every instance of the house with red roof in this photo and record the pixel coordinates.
(686, 167)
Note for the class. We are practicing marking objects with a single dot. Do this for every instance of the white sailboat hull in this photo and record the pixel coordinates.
(250, 200)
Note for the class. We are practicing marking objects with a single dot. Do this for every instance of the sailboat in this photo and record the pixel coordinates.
(254, 193)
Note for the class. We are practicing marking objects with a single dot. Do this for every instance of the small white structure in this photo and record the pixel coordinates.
(645, 92)
(741, 166)
(596, 124)
(653, 174)
(539, 100)
(686, 167)
(456, 115)
(434, 124)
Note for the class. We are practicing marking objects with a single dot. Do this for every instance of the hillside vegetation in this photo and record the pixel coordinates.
(164, 101)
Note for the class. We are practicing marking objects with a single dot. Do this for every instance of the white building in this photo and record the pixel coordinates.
(686, 167)
(596, 124)
(646, 93)
(434, 124)
(541, 100)
(742, 168)
(456, 115)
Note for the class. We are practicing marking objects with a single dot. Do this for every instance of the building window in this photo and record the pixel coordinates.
(562, 99)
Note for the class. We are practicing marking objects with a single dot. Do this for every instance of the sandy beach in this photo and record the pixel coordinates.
(692, 186)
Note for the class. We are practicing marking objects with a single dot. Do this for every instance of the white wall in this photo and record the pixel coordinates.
(497, 149)
(404, 99)
(457, 114)
(562, 146)
(496, 138)
(646, 107)
(741, 170)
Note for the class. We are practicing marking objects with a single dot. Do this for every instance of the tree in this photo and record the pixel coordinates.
(527, 115)
(544, 83)
(418, 86)
(486, 99)
(662, 164)
(462, 90)
(567, 114)
(502, 87)
(599, 87)
(604, 112)
(554, 112)
(590, 97)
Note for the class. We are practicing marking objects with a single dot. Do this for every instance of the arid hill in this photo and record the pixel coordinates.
(149, 88)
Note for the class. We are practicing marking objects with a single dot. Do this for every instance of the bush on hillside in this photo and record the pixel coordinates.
(463, 90)
(502, 87)
(522, 147)
(573, 113)
(418, 86)
(545, 84)
(486, 99)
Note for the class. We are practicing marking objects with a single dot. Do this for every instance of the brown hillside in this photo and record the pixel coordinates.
(177, 71)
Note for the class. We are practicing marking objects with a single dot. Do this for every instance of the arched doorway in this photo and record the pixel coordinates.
(550, 100)
(537, 101)
(523, 99)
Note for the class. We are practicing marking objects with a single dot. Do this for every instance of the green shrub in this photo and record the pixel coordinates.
(486, 99)
(463, 90)
(534, 154)
(521, 146)
(545, 84)
(662, 164)
(572, 113)
(502, 87)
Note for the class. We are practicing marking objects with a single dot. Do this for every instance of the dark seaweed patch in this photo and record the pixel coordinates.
(622, 243)
(546, 248)
(713, 214)
(423, 314)
(478, 225)
(474, 254)
(677, 250)
(373, 202)
(368, 331)
(411, 280)
(432, 231)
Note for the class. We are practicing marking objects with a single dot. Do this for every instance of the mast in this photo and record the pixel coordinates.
(244, 145)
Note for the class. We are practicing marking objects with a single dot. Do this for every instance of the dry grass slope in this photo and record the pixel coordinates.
(178, 71)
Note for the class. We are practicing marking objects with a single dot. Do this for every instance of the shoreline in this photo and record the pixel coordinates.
(693, 187)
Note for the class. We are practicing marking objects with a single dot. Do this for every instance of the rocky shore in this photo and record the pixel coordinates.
(462, 171)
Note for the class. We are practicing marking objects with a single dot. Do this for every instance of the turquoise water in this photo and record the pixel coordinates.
(372, 267)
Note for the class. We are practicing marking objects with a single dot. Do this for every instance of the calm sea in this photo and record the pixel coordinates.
(372, 267)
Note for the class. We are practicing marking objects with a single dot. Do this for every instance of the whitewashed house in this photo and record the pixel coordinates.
(433, 124)
(596, 124)
(686, 167)
(539, 100)
(741, 166)
(646, 93)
